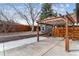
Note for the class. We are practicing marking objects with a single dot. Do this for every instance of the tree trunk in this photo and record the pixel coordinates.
(32, 28)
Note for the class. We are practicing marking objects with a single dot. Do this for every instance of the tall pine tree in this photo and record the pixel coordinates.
(46, 10)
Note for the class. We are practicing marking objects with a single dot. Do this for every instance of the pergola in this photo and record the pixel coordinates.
(58, 21)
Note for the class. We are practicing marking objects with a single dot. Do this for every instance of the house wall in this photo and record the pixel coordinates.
(60, 32)
(45, 28)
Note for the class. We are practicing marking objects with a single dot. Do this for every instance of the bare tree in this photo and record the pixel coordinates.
(8, 24)
(20, 13)
(3, 29)
(32, 13)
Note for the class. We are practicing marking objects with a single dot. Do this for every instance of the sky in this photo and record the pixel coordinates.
(63, 7)
(60, 8)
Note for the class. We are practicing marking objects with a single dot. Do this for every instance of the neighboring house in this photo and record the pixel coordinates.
(45, 28)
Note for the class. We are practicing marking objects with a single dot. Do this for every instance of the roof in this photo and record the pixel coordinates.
(52, 21)
(58, 21)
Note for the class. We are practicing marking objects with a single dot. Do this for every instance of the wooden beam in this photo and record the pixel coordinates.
(37, 32)
(66, 37)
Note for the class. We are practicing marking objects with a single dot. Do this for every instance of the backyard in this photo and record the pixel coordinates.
(47, 46)
(35, 29)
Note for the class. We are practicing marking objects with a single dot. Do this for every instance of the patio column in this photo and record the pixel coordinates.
(66, 37)
(37, 32)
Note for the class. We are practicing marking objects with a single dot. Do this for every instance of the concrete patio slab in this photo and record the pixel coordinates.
(48, 46)
(18, 48)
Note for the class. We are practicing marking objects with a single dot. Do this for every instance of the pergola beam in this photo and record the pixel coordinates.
(66, 40)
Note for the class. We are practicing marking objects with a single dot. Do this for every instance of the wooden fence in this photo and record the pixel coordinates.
(60, 32)
(22, 28)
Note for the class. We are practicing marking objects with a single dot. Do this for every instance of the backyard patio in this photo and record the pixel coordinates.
(46, 41)
(47, 46)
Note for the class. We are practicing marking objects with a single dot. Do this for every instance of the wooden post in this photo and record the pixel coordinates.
(73, 33)
(37, 32)
(66, 37)
(53, 31)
